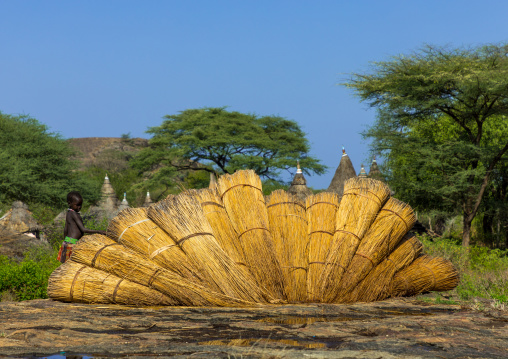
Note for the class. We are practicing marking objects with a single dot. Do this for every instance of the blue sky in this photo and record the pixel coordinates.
(106, 68)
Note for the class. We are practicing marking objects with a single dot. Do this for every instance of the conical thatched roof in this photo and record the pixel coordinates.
(124, 204)
(109, 202)
(374, 171)
(363, 173)
(213, 181)
(344, 172)
(19, 219)
(148, 201)
(299, 185)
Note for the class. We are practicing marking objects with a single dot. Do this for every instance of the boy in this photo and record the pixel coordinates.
(74, 228)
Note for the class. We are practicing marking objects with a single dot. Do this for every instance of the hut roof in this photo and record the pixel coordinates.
(363, 173)
(108, 202)
(374, 171)
(213, 181)
(124, 204)
(344, 172)
(299, 187)
(20, 219)
(148, 201)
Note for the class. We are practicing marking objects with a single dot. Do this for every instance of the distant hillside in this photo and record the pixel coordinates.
(110, 153)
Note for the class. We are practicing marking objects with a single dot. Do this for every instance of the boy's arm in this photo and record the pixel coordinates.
(79, 224)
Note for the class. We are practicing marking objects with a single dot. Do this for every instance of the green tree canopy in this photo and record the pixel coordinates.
(35, 165)
(220, 141)
(442, 123)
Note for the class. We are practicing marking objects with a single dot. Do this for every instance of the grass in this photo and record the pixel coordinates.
(483, 271)
(29, 279)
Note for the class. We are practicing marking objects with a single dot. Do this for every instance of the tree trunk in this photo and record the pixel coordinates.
(466, 233)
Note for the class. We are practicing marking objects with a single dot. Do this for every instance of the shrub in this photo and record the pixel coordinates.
(28, 279)
(483, 271)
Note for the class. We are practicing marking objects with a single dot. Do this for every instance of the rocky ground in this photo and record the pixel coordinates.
(401, 328)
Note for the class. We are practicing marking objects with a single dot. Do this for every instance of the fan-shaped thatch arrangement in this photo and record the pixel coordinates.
(225, 246)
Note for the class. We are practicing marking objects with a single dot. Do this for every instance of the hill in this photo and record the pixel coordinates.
(109, 153)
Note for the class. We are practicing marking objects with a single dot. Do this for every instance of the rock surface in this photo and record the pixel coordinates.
(391, 329)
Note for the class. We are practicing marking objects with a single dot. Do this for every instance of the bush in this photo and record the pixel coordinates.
(483, 271)
(28, 279)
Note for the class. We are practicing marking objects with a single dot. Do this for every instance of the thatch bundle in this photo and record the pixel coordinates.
(425, 274)
(75, 282)
(393, 221)
(101, 252)
(288, 224)
(359, 206)
(132, 228)
(183, 217)
(321, 212)
(226, 247)
(376, 285)
(242, 196)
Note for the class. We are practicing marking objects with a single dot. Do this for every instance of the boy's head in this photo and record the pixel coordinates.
(74, 200)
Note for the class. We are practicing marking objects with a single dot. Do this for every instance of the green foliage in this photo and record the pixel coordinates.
(483, 272)
(271, 185)
(442, 124)
(34, 163)
(29, 279)
(216, 140)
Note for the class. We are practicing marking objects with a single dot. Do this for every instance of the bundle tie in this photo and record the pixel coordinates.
(132, 225)
(211, 204)
(398, 215)
(99, 252)
(433, 276)
(292, 268)
(362, 195)
(295, 203)
(116, 289)
(333, 204)
(365, 256)
(331, 264)
(242, 184)
(162, 249)
(351, 233)
(74, 281)
(326, 232)
(367, 190)
(152, 278)
(180, 241)
(252, 230)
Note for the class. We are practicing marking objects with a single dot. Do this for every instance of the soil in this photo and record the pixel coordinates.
(397, 328)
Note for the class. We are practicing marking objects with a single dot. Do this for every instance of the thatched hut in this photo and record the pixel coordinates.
(299, 185)
(363, 173)
(148, 201)
(374, 171)
(213, 181)
(20, 220)
(124, 204)
(344, 172)
(109, 201)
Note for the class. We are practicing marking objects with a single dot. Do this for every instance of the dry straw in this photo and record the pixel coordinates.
(217, 217)
(425, 274)
(183, 217)
(103, 253)
(321, 211)
(376, 286)
(132, 228)
(288, 225)
(242, 196)
(362, 200)
(75, 282)
(393, 221)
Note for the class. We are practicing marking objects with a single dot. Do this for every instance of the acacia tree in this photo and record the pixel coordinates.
(220, 141)
(442, 116)
(35, 165)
